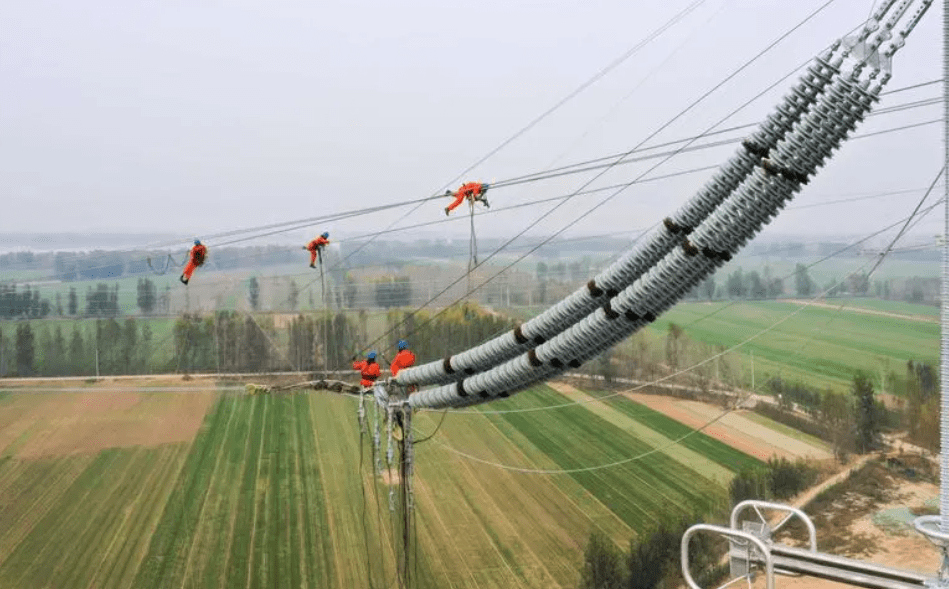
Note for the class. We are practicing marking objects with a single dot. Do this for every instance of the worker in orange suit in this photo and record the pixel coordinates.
(195, 258)
(403, 359)
(369, 370)
(473, 191)
(316, 248)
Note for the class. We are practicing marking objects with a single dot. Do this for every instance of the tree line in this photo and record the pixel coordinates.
(225, 341)
(854, 422)
(436, 334)
(228, 341)
(100, 301)
(105, 346)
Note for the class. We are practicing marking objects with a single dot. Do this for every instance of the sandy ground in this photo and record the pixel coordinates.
(905, 550)
(734, 429)
(38, 424)
(390, 478)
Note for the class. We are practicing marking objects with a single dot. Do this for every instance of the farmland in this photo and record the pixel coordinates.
(819, 346)
(255, 491)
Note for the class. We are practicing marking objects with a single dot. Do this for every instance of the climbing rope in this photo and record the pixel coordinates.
(169, 262)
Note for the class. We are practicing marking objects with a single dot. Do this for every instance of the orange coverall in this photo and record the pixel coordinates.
(470, 190)
(403, 359)
(314, 246)
(196, 258)
(369, 371)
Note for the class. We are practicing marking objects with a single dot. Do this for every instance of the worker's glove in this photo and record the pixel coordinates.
(303, 248)
(353, 359)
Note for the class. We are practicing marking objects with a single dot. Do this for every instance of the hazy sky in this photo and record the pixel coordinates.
(198, 117)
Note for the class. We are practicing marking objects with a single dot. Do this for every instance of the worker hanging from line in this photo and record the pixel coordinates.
(195, 258)
(368, 368)
(473, 191)
(403, 359)
(316, 248)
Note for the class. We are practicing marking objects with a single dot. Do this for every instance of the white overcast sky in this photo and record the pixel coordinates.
(197, 117)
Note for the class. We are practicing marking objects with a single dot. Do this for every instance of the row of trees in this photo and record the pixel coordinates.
(922, 410)
(232, 342)
(779, 480)
(100, 301)
(325, 341)
(852, 423)
(106, 346)
(22, 304)
(737, 285)
(27, 303)
(225, 342)
(228, 341)
(653, 558)
(434, 335)
(754, 285)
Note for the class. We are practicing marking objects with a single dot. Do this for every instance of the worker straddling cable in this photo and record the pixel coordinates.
(368, 368)
(473, 191)
(316, 246)
(403, 359)
(196, 258)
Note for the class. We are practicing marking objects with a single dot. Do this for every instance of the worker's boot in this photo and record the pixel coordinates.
(447, 210)
(183, 279)
(312, 266)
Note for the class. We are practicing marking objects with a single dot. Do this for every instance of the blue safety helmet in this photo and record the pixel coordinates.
(403, 344)
(326, 234)
(372, 355)
(197, 242)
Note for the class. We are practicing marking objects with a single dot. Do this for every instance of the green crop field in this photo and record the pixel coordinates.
(280, 491)
(673, 430)
(819, 346)
(899, 307)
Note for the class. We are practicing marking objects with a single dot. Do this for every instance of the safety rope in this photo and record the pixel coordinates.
(326, 315)
(169, 262)
(472, 244)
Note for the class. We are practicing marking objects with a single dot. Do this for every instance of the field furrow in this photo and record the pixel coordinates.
(232, 548)
(133, 546)
(211, 518)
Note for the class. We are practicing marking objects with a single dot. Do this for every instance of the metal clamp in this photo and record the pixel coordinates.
(931, 526)
(757, 506)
